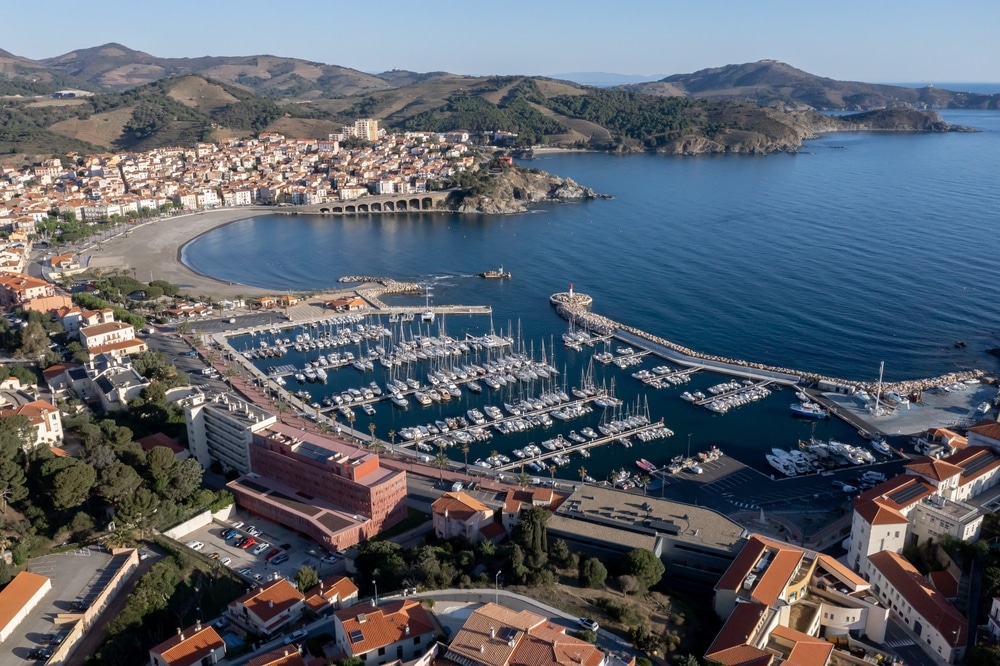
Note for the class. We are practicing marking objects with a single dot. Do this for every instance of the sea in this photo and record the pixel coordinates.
(862, 248)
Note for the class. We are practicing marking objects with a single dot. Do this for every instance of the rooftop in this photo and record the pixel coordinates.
(17, 593)
(370, 627)
(647, 517)
(189, 646)
(269, 601)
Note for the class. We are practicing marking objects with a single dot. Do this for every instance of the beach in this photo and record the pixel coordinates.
(153, 250)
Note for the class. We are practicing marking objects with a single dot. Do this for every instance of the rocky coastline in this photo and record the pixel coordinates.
(514, 189)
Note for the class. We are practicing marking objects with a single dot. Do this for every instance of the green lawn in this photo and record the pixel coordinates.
(414, 518)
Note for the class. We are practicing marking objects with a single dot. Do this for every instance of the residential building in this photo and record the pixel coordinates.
(18, 598)
(320, 485)
(116, 338)
(45, 418)
(399, 629)
(458, 514)
(269, 609)
(198, 644)
(286, 655)
(332, 593)
(993, 623)
(18, 288)
(107, 380)
(498, 636)
(695, 543)
(221, 427)
(519, 500)
(937, 623)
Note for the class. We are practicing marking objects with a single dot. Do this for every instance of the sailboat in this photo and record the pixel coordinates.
(427, 315)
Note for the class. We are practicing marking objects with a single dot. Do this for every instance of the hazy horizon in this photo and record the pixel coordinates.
(861, 41)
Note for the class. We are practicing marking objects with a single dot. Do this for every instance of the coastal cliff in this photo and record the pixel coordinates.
(513, 189)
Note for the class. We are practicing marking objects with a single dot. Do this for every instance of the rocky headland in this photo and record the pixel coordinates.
(514, 189)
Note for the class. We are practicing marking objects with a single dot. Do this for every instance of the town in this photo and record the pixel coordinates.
(167, 502)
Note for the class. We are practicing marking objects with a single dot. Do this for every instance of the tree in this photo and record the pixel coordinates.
(382, 561)
(441, 462)
(593, 573)
(559, 551)
(465, 452)
(392, 438)
(23, 374)
(137, 510)
(13, 484)
(161, 465)
(117, 481)
(184, 328)
(15, 434)
(71, 485)
(306, 578)
(186, 480)
(645, 566)
(34, 340)
(629, 584)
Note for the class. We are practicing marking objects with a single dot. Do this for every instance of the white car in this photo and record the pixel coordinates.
(238, 524)
(226, 561)
(253, 531)
(295, 636)
(195, 545)
(261, 547)
(329, 559)
(587, 623)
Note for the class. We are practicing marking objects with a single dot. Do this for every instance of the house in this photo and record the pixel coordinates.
(107, 380)
(399, 629)
(269, 609)
(198, 644)
(116, 338)
(498, 636)
(18, 598)
(457, 514)
(349, 304)
(520, 500)
(160, 439)
(56, 376)
(335, 592)
(286, 655)
(18, 288)
(993, 623)
(45, 418)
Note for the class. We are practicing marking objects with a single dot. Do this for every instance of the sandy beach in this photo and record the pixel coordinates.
(154, 248)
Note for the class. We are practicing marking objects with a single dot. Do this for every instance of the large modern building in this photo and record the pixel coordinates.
(221, 428)
(696, 544)
(321, 486)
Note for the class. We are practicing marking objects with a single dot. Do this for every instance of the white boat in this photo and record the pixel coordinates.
(400, 401)
(368, 409)
(687, 396)
(782, 464)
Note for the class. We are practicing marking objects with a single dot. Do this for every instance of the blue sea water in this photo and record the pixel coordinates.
(864, 247)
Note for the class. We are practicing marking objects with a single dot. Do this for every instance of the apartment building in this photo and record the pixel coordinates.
(269, 609)
(221, 427)
(115, 338)
(18, 288)
(457, 514)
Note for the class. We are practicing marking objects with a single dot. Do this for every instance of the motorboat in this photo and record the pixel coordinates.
(809, 410)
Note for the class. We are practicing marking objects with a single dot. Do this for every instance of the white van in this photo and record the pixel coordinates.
(456, 487)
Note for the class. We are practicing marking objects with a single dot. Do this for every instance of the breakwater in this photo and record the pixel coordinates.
(374, 287)
(574, 307)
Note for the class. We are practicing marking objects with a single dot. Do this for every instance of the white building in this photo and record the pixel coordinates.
(18, 598)
(222, 427)
(116, 338)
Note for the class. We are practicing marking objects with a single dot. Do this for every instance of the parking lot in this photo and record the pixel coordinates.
(301, 550)
(76, 578)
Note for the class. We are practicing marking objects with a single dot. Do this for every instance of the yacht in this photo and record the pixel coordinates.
(808, 410)
(474, 387)
(368, 409)
(782, 463)
(400, 401)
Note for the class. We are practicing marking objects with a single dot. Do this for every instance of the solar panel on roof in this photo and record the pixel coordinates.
(977, 463)
(357, 636)
(905, 494)
(507, 633)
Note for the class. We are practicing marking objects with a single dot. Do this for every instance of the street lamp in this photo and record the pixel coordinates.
(496, 588)
(376, 592)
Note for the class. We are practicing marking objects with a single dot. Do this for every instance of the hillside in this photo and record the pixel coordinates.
(770, 82)
(117, 67)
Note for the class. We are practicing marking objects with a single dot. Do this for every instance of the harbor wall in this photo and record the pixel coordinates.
(573, 307)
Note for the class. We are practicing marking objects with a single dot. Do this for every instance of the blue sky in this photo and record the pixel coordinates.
(874, 40)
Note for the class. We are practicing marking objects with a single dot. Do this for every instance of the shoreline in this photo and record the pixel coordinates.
(155, 249)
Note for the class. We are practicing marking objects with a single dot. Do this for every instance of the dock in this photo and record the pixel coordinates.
(722, 396)
(600, 441)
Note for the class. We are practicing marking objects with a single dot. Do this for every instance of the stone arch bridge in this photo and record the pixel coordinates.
(383, 203)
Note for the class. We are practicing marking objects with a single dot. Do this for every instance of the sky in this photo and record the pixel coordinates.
(915, 41)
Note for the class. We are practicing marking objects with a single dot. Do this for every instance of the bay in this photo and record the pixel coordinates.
(862, 248)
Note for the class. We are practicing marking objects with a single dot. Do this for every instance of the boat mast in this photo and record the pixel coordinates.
(878, 394)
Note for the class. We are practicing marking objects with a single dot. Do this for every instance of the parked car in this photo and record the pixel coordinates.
(195, 545)
(229, 533)
(242, 542)
(40, 653)
(215, 556)
(48, 639)
(587, 623)
(274, 552)
(280, 559)
(295, 636)
(253, 531)
(329, 559)
(250, 541)
(226, 561)
(245, 571)
(261, 547)
(238, 524)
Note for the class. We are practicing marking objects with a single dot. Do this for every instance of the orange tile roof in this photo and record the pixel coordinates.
(100, 329)
(730, 646)
(458, 505)
(964, 458)
(135, 343)
(742, 565)
(286, 655)
(329, 590)
(548, 645)
(384, 625)
(518, 496)
(844, 573)
(268, 602)
(988, 429)
(190, 646)
(925, 600)
(17, 593)
(944, 583)
(933, 468)
(776, 577)
(806, 650)
(886, 490)
(150, 442)
(875, 512)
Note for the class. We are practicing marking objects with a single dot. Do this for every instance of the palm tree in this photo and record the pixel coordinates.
(465, 452)
(392, 438)
(350, 420)
(645, 480)
(323, 427)
(441, 462)
(583, 473)
(371, 433)
(552, 471)
(523, 479)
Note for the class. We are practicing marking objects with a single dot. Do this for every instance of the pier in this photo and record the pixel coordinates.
(728, 394)
(600, 441)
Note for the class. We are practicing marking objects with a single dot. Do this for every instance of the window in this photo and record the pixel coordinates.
(416, 640)
(381, 651)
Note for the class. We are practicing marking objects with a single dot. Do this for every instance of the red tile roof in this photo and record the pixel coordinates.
(730, 646)
(269, 601)
(806, 650)
(933, 468)
(925, 600)
(150, 442)
(776, 576)
(886, 490)
(875, 512)
(742, 565)
(844, 573)
(384, 625)
(286, 655)
(17, 593)
(460, 505)
(988, 429)
(944, 583)
(189, 646)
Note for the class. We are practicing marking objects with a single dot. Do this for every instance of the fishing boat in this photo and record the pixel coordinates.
(809, 410)
(499, 274)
